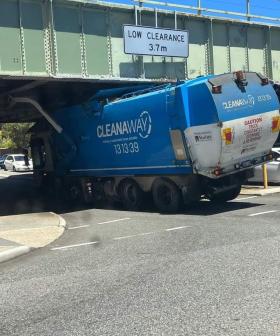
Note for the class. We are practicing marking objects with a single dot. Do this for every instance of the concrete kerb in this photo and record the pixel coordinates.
(62, 221)
(12, 252)
(259, 191)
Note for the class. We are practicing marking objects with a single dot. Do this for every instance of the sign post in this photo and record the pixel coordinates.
(140, 40)
(265, 177)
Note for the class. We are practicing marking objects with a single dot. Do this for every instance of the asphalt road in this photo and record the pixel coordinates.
(214, 270)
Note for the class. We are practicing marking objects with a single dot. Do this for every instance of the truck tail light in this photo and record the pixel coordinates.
(227, 135)
(275, 127)
(218, 171)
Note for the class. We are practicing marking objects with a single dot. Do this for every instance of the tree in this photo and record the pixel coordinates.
(15, 135)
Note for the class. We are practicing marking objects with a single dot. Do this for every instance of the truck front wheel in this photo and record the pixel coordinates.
(166, 195)
(131, 195)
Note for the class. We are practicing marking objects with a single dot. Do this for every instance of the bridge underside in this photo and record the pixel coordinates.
(60, 52)
(50, 94)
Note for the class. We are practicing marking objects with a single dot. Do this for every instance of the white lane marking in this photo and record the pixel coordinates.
(136, 235)
(70, 246)
(177, 228)
(77, 227)
(262, 213)
(113, 221)
(243, 198)
(116, 238)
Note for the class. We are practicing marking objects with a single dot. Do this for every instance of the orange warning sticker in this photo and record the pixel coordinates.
(275, 124)
(227, 135)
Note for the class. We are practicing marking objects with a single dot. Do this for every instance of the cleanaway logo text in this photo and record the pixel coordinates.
(248, 101)
(141, 126)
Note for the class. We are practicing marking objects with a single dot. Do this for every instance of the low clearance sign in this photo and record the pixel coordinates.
(141, 40)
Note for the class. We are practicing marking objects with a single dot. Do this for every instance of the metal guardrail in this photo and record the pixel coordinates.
(42, 45)
(201, 10)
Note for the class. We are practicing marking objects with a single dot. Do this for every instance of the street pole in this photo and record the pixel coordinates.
(265, 177)
(248, 10)
(198, 7)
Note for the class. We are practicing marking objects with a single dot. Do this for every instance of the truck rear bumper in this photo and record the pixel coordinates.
(219, 172)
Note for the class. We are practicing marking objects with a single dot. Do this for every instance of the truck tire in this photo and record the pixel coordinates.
(226, 195)
(39, 180)
(131, 195)
(75, 192)
(166, 195)
(72, 193)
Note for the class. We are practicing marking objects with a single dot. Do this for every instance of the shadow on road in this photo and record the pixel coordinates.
(20, 196)
(205, 208)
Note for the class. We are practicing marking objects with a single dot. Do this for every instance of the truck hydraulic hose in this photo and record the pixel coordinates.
(38, 107)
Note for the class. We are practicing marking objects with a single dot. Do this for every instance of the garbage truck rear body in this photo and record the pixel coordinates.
(179, 142)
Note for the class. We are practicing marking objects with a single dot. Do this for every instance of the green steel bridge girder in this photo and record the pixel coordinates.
(77, 39)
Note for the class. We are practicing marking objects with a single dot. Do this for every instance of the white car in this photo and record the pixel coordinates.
(16, 162)
(273, 170)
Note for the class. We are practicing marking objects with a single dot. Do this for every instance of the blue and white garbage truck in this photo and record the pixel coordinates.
(176, 142)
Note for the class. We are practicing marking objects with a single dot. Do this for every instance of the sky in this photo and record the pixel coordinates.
(258, 7)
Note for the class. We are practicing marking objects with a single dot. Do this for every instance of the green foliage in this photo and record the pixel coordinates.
(14, 135)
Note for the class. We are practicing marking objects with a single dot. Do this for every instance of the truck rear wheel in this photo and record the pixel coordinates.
(166, 195)
(226, 196)
(131, 195)
(73, 193)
